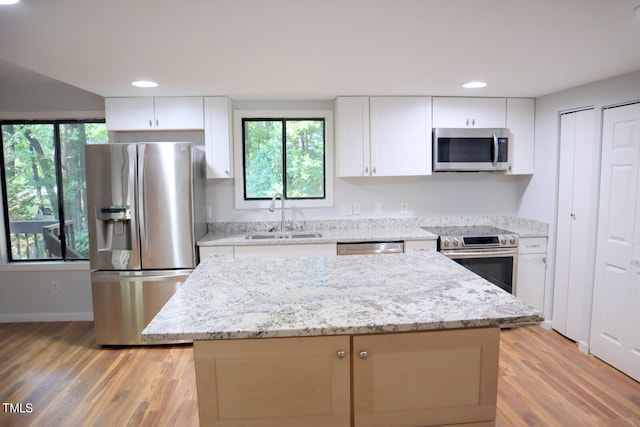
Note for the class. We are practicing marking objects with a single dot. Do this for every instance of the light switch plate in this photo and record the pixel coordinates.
(357, 208)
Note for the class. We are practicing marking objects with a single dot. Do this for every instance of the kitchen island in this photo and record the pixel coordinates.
(393, 340)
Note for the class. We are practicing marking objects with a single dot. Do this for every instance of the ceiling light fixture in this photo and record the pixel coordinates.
(6, 2)
(144, 83)
(474, 85)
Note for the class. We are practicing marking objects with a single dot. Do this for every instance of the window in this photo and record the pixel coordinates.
(287, 152)
(284, 156)
(44, 191)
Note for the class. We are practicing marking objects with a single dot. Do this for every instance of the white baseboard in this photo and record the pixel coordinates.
(583, 347)
(46, 317)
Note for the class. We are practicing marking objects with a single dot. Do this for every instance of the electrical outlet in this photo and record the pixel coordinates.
(378, 208)
(55, 286)
(208, 212)
(404, 208)
(346, 209)
(357, 208)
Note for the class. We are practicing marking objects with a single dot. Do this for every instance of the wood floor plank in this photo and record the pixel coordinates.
(69, 381)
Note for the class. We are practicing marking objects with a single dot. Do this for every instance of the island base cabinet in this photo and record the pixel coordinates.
(426, 378)
(274, 382)
(446, 377)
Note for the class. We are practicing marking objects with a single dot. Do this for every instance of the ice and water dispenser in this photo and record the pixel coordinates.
(115, 235)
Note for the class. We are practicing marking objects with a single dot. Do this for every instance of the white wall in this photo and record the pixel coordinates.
(438, 195)
(539, 194)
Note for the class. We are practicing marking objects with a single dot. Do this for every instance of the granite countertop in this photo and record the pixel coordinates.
(311, 296)
(363, 230)
(327, 236)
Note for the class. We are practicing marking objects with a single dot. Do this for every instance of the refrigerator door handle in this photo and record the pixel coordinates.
(141, 198)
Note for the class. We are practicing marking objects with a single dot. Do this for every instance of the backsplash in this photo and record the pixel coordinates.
(511, 223)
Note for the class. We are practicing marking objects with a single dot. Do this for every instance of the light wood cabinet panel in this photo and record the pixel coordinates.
(425, 378)
(276, 382)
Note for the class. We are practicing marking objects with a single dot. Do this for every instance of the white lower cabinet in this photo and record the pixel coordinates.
(261, 251)
(420, 246)
(446, 377)
(213, 252)
(532, 267)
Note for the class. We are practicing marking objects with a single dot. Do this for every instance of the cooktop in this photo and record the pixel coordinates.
(467, 230)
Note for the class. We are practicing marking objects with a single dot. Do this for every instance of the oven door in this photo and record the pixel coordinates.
(498, 266)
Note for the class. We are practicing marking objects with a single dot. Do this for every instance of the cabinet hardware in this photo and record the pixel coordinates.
(366, 170)
(573, 215)
(150, 123)
(341, 354)
(364, 355)
(374, 170)
(157, 123)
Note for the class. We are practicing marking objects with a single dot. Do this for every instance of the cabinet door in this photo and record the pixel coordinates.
(261, 251)
(276, 382)
(400, 136)
(488, 112)
(451, 112)
(179, 112)
(352, 136)
(425, 378)
(520, 122)
(129, 113)
(217, 136)
(531, 273)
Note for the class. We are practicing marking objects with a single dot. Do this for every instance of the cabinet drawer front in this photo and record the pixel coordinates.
(532, 245)
(213, 252)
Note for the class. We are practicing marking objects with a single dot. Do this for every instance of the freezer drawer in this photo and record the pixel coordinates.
(125, 302)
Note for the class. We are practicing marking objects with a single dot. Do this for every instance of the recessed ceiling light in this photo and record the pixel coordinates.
(474, 85)
(144, 83)
(3, 2)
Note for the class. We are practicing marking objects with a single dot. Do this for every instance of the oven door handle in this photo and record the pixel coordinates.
(479, 254)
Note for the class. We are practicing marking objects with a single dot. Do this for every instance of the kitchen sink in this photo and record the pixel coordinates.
(280, 235)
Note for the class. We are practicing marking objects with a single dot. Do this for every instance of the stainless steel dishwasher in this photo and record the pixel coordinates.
(370, 248)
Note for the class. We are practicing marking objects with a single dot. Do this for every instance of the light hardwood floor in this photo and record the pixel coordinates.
(69, 381)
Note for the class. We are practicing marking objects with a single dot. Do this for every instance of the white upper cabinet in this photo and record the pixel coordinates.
(383, 136)
(159, 113)
(352, 136)
(520, 122)
(451, 112)
(217, 136)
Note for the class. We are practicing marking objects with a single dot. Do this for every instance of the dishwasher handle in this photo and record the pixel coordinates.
(370, 248)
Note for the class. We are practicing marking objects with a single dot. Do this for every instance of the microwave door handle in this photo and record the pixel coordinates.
(495, 150)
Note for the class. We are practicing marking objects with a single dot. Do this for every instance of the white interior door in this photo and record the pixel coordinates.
(614, 328)
(577, 224)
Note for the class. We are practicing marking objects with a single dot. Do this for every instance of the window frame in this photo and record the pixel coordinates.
(239, 190)
(6, 235)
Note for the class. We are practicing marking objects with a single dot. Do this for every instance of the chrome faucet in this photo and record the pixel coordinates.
(272, 208)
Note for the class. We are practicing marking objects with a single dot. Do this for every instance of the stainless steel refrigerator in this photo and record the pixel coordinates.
(145, 214)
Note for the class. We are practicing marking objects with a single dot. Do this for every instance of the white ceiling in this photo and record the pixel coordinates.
(318, 49)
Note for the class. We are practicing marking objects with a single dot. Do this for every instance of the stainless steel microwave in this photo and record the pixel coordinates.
(478, 149)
